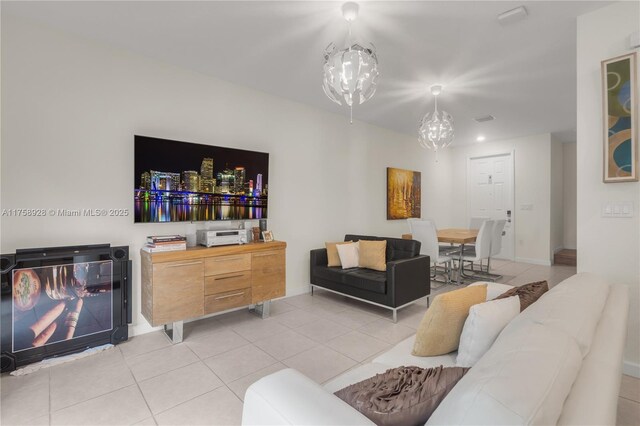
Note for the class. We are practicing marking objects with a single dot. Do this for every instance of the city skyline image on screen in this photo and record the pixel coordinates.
(181, 181)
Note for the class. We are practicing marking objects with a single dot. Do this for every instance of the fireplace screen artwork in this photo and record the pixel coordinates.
(61, 302)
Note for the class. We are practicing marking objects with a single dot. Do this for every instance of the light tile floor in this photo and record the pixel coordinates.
(148, 381)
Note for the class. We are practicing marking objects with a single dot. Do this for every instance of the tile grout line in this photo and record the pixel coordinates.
(629, 399)
(153, 415)
(166, 371)
(144, 398)
(96, 397)
(149, 352)
(246, 375)
(223, 352)
(139, 389)
(51, 410)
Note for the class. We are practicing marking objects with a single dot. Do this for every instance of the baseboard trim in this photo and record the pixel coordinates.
(631, 369)
(297, 291)
(533, 261)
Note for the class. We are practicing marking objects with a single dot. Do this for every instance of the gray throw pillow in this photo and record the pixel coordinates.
(403, 395)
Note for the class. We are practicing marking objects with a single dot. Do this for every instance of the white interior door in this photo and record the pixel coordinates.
(490, 194)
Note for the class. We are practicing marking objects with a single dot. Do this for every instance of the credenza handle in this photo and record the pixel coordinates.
(176, 265)
(226, 259)
(230, 295)
(229, 277)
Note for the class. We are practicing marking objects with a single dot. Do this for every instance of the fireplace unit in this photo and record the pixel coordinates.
(60, 300)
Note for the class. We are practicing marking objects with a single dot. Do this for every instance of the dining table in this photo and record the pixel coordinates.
(460, 236)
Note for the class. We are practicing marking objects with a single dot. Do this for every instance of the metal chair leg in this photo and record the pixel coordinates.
(481, 275)
(488, 273)
(434, 274)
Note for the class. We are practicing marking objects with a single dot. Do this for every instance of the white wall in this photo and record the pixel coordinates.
(610, 247)
(532, 186)
(569, 197)
(70, 108)
(556, 183)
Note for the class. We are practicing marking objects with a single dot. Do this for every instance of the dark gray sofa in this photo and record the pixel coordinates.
(406, 279)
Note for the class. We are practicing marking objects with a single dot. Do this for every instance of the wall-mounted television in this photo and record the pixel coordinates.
(185, 182)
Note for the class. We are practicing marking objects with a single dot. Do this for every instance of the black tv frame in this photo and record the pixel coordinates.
(36, 257)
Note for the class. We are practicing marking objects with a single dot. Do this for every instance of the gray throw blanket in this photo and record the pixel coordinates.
(403, 395)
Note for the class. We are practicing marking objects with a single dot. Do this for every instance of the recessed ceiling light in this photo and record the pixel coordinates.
(480, 138)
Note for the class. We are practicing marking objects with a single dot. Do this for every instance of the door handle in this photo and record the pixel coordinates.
(264, 254)
(177, 265)
(229, 277)
(230, 295)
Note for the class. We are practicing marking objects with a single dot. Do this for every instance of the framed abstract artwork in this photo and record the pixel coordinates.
(620, 118)
(403, 194)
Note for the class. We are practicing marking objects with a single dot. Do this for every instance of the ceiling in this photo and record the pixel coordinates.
(522, 73)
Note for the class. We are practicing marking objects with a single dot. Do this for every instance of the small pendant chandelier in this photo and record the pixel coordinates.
(436, 128)
(350, 73)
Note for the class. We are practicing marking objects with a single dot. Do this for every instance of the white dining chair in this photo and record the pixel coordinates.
(425, 232)
(481, 251)
(496, 240)
(476, 222)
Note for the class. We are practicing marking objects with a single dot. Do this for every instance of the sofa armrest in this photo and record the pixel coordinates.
(319, 257)
(290, 398)
(409, 279)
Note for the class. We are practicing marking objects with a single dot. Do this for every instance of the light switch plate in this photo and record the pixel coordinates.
(626, 209)
(618, 209)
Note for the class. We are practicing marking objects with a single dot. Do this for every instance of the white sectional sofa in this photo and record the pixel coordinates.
(557, 362)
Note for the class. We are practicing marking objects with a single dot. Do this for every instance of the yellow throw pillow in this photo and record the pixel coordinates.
(373, 255)
(332, 253)
(440, 329)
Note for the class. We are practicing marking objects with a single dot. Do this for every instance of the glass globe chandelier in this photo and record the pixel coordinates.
(436, 128)
(351, 72)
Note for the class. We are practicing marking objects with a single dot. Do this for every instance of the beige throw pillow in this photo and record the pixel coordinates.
(332, 253)
(373, 255)
(440, 329)
(348, 255)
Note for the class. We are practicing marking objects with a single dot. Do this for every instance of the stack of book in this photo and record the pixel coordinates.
(160, 243)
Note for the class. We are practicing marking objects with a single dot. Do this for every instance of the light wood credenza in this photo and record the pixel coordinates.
(187, 284)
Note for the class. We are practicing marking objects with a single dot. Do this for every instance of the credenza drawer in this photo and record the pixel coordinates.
(225, 264)
(227, 300)
(226, 282)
